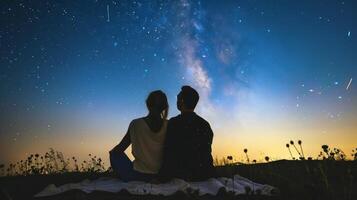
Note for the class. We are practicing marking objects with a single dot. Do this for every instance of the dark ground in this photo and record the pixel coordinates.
(295, 179)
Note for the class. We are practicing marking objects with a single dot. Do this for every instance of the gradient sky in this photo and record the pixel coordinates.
(73, 74)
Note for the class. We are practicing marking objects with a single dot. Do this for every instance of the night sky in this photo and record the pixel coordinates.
(73, 74)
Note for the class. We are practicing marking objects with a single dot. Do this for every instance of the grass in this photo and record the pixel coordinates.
(329, 176)
(52, 162)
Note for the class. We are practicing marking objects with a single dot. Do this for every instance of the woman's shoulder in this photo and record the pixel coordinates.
(137, 121)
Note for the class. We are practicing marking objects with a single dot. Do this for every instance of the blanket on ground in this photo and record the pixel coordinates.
(237, 185)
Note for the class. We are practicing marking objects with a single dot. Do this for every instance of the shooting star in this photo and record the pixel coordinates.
(108, 16)
(349, 84)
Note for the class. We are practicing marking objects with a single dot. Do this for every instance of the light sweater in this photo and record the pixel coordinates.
(147, 146)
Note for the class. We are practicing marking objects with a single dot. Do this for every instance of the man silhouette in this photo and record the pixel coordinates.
(187, 147)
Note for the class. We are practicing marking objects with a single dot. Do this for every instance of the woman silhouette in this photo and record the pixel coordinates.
(146, 135)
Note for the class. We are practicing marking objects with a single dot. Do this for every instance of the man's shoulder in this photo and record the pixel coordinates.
(174, 119)
(202, 120)
(197, 119)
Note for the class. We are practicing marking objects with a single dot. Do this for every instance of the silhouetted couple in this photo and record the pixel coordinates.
(165, 149)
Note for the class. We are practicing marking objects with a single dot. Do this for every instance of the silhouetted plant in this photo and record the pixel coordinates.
(292, 143)
(52, 162)
(354, 154)
(302, 151)
(288, 146)
(267, 158)
(55, 162)
(230, 158)
(331, 154)
(76, 167)
(94, 164)
(246, 154)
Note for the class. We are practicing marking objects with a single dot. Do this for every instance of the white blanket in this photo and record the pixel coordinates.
(237, 185)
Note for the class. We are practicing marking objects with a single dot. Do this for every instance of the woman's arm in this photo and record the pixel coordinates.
(123, 145)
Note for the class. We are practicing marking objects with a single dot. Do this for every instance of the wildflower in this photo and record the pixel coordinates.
(288, 146)
(324, 147)
(342, 157)
(229, 157)
(302, 157)
(36, 155)
(292, 143)
(267, 158)
(246, 154)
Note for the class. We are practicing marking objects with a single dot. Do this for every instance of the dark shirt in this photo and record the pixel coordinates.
(187, 149)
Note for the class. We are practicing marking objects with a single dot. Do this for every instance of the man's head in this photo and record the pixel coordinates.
(187, 99)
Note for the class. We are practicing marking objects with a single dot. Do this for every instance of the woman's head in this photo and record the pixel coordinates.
(157, 104)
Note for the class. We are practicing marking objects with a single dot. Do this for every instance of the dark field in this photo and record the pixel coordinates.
(308, 179)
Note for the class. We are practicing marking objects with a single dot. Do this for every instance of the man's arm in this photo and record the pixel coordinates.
(210, 169)
(206, 139)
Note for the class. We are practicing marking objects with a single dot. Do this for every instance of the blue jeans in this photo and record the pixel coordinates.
(123, 166)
